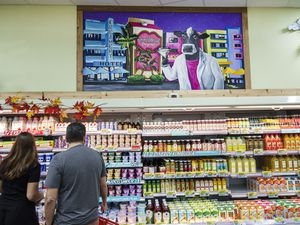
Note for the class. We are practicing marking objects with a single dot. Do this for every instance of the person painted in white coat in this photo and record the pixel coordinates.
(194, 69)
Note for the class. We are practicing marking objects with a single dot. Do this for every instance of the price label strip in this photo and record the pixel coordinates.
(258, 151)
(224, 192)
(272, 194)
(252, 195)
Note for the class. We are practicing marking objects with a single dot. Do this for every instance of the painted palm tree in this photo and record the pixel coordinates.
(126, 40)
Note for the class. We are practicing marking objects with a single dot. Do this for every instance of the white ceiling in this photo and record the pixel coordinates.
(184, 3)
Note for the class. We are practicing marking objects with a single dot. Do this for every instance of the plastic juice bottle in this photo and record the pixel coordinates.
(279, 144)
(166, 213)
(289, 163)
(252, 165)
(282, 164)
(157, 213)
(224, 186)
(293, 142)
(234, 144)
(219, 184)
(229, 144)
(267, 142)
(215, 185)
(246, 165)
(297, 139)
(239, 165)
(232, 166)
(295, 163)
(149, 212)
(273, 141)
(275, 166)
(287, 142)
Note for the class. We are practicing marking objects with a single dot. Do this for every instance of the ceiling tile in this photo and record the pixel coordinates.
(12, 2)
(94, 2)
(293, 3)
(267, 3)
(227, 3)
(50, 2)
(183, 3)
(139, 2)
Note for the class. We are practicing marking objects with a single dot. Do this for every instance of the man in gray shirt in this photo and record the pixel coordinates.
(75, 180)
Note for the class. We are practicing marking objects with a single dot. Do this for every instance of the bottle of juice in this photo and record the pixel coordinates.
(234, 144)
(219, 181)
(267, 142)
(282, 164)
(293, 142)
(224, 186)
(215, 185)
(229, 144)
(166, 212)
(157, 212)
(239, 165)
(289, 163)
(275, 166)
(246, 165)
(295, 163)
(232, 166)
(149, 212)
(287, 142)
(274, 141)
(252, 165)
(279, 144)
(297, 139)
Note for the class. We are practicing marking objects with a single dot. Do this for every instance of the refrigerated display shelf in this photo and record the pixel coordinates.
(123, 165)
(124, 199)
(183, 176)
(7, 150)
(125, 181)
(245, 222)
(181, 154)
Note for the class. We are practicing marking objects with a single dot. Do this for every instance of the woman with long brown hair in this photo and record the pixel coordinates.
(19, 180)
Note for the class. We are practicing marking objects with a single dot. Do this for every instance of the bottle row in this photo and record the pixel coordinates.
(122, 157)
(21, 123)
(125, 190)
(274, 184)
(281, 163)
(197, 210)
(125, 173)
(173, 166)
(183, 185)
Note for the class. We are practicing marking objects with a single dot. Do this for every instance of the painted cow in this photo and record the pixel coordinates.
(194, 69)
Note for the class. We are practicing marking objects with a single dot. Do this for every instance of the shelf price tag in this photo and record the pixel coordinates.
(267, 174)
(282, 152)
(298, 173)
(148, 194)
(223, 173)
(131, 131)
(279, 220)
(241, 175)
(258, 130)
(272, 194)
(224, 192)
(189, 194)
(204, 193)
(171, 194)
(258, 151)
(211, 173)
(199, 174)
(180, 133)
(298, 193)
(252, 195)
(106, 131)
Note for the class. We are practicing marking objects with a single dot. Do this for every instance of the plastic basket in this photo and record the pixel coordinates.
(105, 221)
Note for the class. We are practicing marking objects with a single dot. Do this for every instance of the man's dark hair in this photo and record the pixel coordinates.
(75, 132)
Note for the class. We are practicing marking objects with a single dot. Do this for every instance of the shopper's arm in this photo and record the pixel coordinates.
(33, 193)
(50, 203)
(103, 192)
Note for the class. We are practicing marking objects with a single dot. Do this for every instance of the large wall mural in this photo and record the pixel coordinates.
(162, 51)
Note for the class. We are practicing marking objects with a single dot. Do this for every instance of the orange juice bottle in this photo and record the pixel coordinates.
(287, 142)
(215, 185)
(282, 164)
(267, 142)
(293, 142)
(295, 163)
(297, 139)
(278, 141)
(224, 186)
(273, 140)
(275, 166)
(289, 163)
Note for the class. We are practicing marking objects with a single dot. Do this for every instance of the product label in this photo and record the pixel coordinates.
(157, 217)
(166, 217)
(149, 216)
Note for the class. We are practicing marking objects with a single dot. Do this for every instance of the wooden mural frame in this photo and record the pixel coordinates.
(82, 9)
